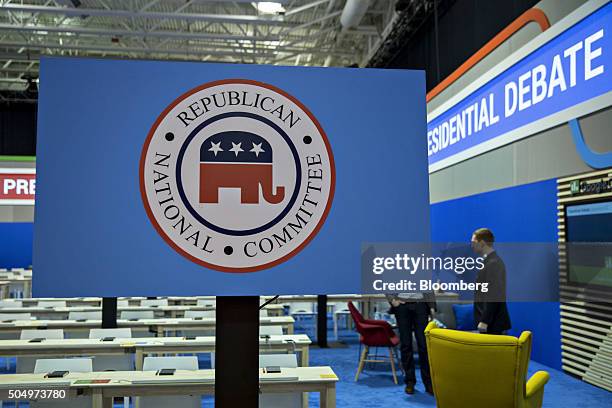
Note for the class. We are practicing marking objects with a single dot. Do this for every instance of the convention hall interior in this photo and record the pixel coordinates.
(267, 263)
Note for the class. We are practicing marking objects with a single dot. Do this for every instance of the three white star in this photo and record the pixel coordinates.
(215, 147)
(236, 148)
(257, 149)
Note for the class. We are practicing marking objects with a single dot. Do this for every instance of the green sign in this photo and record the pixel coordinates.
(575, 187)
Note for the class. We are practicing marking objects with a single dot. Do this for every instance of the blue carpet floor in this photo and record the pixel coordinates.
(375, 387)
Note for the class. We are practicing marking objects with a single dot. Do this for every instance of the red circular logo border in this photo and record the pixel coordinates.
(165, 237)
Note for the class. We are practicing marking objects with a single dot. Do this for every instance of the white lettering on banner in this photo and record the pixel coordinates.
(591, 54)
(471, 120)
(544, 81)
(19, 186)
(538, 84)
(22, 186)
(556, 77)
(9, 184)
(523, 91)
(571, 54)
(510, 99)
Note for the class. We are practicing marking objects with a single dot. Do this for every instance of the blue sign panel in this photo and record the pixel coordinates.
(169, 178)
(568, 70)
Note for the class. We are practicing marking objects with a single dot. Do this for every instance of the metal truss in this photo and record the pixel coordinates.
(400, 27)
(308, 32)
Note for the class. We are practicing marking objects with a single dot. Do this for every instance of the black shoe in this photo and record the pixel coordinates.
(409, 389)
(429, 390)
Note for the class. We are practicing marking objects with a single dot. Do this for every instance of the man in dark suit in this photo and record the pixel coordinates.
(490, 309)
(412, 312)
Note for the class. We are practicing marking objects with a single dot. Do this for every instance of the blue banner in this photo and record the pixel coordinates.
(566, 71)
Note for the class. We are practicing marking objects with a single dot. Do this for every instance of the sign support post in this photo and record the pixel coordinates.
(322, 321)
(109, 312)
(237, 352)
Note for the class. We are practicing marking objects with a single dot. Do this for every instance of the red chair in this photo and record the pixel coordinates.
(374, 333)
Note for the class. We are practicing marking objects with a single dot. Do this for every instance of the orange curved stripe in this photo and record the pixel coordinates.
(534, 15)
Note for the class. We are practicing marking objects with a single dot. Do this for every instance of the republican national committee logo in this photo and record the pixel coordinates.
(237, 175)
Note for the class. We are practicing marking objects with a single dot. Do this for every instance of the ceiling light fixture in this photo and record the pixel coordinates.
(269, 7)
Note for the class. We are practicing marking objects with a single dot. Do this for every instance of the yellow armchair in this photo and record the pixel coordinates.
(481, 370)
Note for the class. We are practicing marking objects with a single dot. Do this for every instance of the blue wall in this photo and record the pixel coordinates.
(15, 244)
(526, 213)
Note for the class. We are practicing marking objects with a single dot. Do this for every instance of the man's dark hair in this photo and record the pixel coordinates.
(484, 234)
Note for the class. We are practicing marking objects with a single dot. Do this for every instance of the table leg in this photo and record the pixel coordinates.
(139, 359)
(99, 401)
(366, 308)
(305, 356)
(328, 396)
(27, 288)
(335, 319)
(96, 399)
